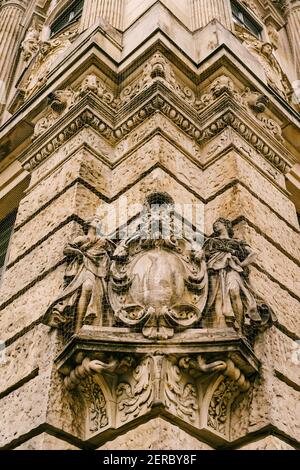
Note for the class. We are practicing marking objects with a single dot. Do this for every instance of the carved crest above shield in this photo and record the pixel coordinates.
(158, 280)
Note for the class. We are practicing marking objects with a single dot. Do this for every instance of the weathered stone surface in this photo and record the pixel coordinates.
(239, 202)
(279, 351)
(266, 191)
(78, 200)
(38, 261)
(24, 409)
(54, 184)
(286, 307)
(45, 441)
(65, 409)
(34, 350)
(43, 399)
(156, 434)
(17, 316)
(270, 259)
(276, 403)
(268, 443)
(85, 137)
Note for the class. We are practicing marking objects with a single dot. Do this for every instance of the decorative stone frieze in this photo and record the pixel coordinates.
(118, 379)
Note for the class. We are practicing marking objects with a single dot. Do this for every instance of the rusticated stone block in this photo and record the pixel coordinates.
(31, 305)
(43, 258)
(274, 403)
(286, 307)
(60, 179)
(66, 409)
(156, 434)
(34, 350)
(78, 200)
(239, 202)
(281, 352)
(45, 441)
(270, 259)
(266, 191)
(268, 443)
(86, 137)
(24, 409)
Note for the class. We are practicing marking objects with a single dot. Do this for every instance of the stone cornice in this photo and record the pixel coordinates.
(224, 113)
(27, 113)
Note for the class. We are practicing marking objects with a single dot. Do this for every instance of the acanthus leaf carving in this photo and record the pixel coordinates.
(219, 407)
(96, 405)
(198, 366)
(180, 394)
(136, 394)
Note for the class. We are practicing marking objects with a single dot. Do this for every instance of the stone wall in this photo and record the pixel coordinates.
(213, 137)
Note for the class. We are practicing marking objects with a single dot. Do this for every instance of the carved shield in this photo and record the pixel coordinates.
(159, 286)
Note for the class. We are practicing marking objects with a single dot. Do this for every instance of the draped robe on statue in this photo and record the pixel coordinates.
(229, 290)
(91, 266)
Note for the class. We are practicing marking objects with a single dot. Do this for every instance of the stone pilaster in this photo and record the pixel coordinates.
(293, 21)
(109, 10)
(11, 14)
(203, 12)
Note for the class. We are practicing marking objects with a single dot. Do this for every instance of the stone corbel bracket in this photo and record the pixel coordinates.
(194, 379)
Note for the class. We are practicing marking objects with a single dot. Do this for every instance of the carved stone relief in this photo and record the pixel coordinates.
(264, 52)
(157, 282)
(163, 288)
(193, 389)
(96, 405)
(45, 54)
(30, 45)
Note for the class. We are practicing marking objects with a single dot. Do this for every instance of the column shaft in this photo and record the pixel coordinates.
(293, 29)
(110, 10)
(204, 11)
(11, 15)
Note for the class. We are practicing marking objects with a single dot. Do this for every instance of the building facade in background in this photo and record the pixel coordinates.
(150, 241)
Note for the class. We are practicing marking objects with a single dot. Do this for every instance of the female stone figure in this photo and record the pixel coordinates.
(86, 279)
(231, 301)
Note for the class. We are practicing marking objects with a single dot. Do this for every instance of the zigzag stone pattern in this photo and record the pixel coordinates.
(149, 157)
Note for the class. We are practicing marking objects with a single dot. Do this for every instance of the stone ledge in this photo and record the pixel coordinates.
(46, 441)
(268, 443)
(156, 434)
